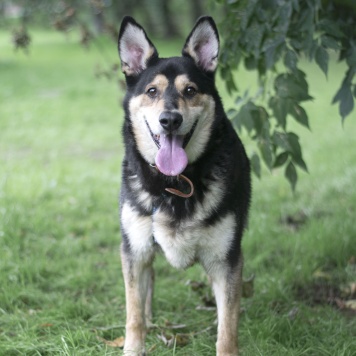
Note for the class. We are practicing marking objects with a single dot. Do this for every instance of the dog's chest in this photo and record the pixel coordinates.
(193, 241)
(186, 240)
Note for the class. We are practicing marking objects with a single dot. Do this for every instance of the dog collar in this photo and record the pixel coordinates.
(176, 191)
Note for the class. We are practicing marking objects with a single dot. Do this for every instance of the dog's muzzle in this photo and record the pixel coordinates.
(186, 139)
(171, 158)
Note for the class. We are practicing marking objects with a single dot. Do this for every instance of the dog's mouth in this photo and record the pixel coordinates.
(171, 159)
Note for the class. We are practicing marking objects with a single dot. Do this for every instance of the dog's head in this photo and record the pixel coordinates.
(170, 102)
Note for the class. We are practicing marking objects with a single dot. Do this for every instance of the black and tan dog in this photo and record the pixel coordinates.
(186, 178)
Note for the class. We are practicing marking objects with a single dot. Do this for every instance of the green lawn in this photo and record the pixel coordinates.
(61, 289)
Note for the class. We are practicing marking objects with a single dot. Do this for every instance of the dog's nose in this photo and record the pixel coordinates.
(170, 121)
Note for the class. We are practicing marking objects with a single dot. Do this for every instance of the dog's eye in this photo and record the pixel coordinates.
(151, 92)
(190, 91)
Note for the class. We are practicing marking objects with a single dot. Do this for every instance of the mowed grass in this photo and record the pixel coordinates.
(61, 288)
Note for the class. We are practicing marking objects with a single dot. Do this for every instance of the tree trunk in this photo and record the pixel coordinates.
(197, 9)
(169, 25)
(99, 22)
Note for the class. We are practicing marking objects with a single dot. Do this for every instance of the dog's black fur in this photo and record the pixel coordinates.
(223, 159)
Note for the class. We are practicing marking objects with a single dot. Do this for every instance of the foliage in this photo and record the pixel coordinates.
(271, 37)
(98, 16)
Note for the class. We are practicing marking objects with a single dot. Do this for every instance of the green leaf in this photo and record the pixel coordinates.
(291, 60)
(296, 151)
(289, 142)
(226, 74)
(330, 42)
(298, 160)
(256, 164)
(246, 13)
(270, 49)
(309, 45)
(250, 63)
(253, 37)
(299, 114)
(230, 85)
(344, 96)
(240, 99)
(281, 159)
(281, 140)
(293, 141)
(231, 114)
(322, 59)
(272, 42)
(244, 117)
(330, 27)
(296, 5)
(260, 120)
(292, 175)
(292, 86)
(297, 44)
(279, 107)
(283, 18)
(266, 151)
(239, 118)
(300, 78)
(351, 57)
(306, 19)
(346, 103)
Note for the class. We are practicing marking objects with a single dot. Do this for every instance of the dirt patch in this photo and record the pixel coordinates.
(294, 222)
(318, 293)
(327, 293)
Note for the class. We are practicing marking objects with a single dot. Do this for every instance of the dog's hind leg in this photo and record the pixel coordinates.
(227, 287)
(137, 278)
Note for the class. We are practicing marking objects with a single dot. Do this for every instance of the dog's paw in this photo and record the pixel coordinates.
(130, 352)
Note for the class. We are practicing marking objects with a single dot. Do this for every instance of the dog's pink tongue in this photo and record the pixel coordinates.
(171, 158)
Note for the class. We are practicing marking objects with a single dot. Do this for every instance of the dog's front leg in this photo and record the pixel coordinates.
(227, 285)
(137, 276)
(149, 298)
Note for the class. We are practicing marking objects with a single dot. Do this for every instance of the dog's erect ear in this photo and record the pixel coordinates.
(135, 48)
(203, 44)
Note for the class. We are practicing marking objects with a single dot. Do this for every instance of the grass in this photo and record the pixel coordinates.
(61, 289)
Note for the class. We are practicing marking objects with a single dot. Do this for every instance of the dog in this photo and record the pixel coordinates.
(185, 177)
